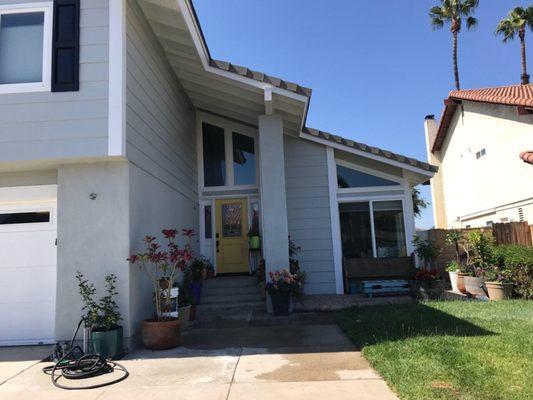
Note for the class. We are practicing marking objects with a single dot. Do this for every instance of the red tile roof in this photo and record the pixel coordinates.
(515, 95)
(527, 156)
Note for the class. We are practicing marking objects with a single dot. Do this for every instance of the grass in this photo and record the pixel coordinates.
(448, 350)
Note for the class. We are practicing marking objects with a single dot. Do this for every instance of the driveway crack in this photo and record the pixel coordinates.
(234, 372)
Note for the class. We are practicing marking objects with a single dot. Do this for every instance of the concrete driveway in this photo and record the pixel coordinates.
(293, 362)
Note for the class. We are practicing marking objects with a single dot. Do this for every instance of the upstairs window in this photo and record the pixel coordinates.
(351, 178)
(481, 153)
(243, 159)
(25, 48)
(214, 155)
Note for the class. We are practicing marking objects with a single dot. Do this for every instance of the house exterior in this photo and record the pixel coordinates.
(482, 147)
(131, 127)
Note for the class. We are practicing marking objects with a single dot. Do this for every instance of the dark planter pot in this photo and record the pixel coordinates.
(161, 335)
(254, 242)
(428, 290)
(196, 292)
(108, 343)
(475, 287)
(280, 302)
(184, 316)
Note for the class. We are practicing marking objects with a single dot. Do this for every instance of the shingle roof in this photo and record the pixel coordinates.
(261, 77)
(371, 149)
(527, 156)
(516, 95)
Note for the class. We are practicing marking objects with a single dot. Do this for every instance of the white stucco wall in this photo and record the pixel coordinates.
(471, 185)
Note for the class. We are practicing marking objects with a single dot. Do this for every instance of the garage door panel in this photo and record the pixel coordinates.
(28, 267)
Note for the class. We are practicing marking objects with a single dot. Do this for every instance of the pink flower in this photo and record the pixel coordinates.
(149, 239)
(169, 233)
(133, 258)
(188, 232)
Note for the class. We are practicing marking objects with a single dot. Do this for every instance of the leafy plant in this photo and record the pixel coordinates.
(453, 266)
(454, 237)
(478, 247)
(103, 314)
(294, 251)
(199, 267)
(517, 22)
(254, 227)
(161, 266)
(453, 12)
(427, 250)
(283, 281)
(418, 202)
(427, 275)
(517, 262)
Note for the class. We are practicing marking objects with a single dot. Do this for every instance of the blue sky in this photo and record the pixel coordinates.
(376, 67)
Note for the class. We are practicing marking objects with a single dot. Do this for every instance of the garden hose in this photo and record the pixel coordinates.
(75, 364)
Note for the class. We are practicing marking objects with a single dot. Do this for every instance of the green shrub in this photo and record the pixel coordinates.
(517, 261)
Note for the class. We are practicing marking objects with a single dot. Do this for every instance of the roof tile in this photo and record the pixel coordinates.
(515, 95)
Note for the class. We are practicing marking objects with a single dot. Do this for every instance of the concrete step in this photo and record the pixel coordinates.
(231, 282)
(224, 291)
(230, 298)
(230, 307)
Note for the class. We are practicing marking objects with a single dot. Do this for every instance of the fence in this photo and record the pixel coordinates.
(520, 233)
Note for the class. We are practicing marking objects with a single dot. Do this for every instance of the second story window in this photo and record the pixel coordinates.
(25, 48)
(481, 153)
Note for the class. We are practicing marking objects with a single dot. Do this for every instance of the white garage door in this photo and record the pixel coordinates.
(28, 255)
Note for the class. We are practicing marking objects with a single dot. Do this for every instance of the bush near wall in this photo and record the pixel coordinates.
(518, 264)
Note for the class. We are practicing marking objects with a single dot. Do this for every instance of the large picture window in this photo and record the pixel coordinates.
(25, 48)
(243, 159)
(372, 229)
(214, 155)
(352, 178)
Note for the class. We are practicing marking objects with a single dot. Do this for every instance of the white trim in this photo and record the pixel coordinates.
(117, 79)
(349, 149)
(409, 219)
(335, 220)
(46, 84)
(229, 127)
(372, 228)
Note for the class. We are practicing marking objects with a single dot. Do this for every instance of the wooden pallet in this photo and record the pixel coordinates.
(391, 286)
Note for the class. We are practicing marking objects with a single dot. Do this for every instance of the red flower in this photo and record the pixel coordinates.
(149, 239)
(169, 233)
(188, 232)
(133, 258)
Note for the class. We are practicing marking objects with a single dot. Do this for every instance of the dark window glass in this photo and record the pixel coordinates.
(214, 155)
(356, 235)
(350, 178)
(389, 229)
(24, 218)
(243, 159)
(208, 221)
(232, 220)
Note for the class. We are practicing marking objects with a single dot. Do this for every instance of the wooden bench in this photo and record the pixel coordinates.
(389, 286)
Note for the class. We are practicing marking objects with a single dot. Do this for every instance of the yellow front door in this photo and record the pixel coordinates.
(231, 240)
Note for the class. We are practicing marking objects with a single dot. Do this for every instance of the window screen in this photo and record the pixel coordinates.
(21, 47)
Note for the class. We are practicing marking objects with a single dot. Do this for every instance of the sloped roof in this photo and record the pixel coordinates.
(514, 95)
(261, 77)
(527, 156)
(371, 149)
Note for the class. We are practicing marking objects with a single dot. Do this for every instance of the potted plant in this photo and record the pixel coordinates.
(162, 331)
(427, 282)
(478, 247)
(497, 284)
(198, 275)
(281, 287)
(102, 317)
(254, 239)
(453, 268)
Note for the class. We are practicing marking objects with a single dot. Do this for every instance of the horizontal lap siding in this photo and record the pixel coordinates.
(44, 125)
(308, 211)
(160, 133)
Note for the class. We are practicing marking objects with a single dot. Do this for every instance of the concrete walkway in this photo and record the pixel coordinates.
(294, 361)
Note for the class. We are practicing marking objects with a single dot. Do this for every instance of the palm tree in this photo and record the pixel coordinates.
(453, 12)
(517, 21)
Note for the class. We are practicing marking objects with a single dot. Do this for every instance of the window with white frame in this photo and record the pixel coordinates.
(25, 47)
(372, 229)
(481, 153)
(228, 157)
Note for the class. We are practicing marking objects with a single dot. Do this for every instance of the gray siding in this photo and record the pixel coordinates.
(308, 211)
(160, 132)
(44, 125)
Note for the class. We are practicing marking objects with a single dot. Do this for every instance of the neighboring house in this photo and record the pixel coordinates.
(144, 130)
(480, 145)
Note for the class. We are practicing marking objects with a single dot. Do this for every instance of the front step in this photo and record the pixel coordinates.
(228, 282)
(224, 291)
(229, 307)
(230, 298)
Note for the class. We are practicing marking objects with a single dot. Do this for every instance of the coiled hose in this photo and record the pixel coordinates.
(75, 364)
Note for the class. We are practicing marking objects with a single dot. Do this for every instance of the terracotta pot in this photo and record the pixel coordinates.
(499, 291)
(453, 280)
(474, 286)
(461, 282)
(161, 335)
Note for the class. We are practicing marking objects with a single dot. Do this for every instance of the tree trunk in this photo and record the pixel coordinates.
(455, 64)
(525, 76)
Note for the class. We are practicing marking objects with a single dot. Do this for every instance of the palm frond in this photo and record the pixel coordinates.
(471, 23)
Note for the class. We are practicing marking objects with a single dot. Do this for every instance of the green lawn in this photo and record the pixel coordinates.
(448, 350)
